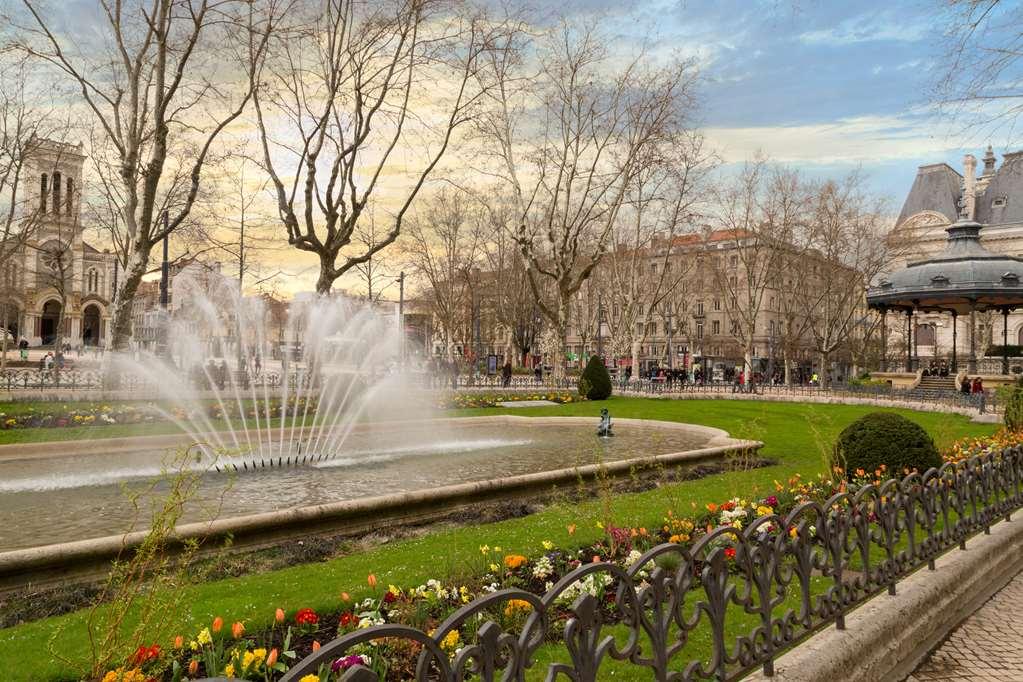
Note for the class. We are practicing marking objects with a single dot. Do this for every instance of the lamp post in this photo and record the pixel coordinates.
(671, 348)
(600, 328)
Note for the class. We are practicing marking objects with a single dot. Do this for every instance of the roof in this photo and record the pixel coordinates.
(1002, 200)
(963, 276)
(937, 187)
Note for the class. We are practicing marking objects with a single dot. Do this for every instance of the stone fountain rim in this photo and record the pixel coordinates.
(14, 452)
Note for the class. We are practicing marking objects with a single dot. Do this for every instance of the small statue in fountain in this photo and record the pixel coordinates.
(604, 430)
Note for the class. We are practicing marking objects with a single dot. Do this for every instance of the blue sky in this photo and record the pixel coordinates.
(823, 85)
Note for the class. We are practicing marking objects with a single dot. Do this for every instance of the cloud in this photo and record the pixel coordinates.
(858, 140)
(867, 27)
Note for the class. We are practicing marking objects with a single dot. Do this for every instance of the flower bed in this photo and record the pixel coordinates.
(469, 400)
(268, 653)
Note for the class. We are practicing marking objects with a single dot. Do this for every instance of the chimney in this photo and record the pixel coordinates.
(969, 185)
(989, 161)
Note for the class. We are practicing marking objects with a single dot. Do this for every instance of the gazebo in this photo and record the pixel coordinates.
(963, 279)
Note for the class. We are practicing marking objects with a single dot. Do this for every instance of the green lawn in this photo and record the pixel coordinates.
(796, 435)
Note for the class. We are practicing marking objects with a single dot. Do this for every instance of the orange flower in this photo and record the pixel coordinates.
(316, 645)
(596, 558)
(345, 597)
(513, 561)
(193, 667)
(571, 529)
(711, 507)
(279, 615)
(179, 642)
(272, 658)
(237, 629)
(218, 623)
(372, 580)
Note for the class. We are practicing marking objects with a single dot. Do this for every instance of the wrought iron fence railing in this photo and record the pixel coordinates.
(790, 574)
(984, 401)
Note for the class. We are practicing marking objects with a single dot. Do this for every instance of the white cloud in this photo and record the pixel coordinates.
(865, 28)
(866, 139)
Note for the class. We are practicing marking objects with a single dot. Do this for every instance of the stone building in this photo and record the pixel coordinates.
(56, 263)
(939, 196)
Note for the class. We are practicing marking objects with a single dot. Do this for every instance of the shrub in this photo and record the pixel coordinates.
(595, 380)
(885, 438)
(1014, 407)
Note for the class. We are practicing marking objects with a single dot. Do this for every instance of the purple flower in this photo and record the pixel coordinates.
(772, 501)
(346, 662)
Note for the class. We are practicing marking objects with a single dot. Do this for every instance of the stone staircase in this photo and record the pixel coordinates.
(931, 388)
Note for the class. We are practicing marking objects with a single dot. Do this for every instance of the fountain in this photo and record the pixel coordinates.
(604, 429)
(317, 411)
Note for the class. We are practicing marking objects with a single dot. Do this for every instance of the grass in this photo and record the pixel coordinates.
(797, 436)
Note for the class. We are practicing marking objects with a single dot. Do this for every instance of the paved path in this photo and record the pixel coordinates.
(987, 646)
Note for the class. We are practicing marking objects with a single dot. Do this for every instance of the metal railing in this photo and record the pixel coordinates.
(791, 574)
(985, 401)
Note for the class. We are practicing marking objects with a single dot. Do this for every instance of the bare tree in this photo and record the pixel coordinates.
(25, 124)
(443, 249)
(849, 250)
(979, 79)
(750, 218)
(645, 267)
(568, 143)
(375, 273)
(336, 101)
(150, 85)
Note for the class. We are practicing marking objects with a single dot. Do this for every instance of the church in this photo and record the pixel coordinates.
(57, 287)
(940, 195)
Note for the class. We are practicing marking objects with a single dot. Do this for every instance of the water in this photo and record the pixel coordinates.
(63, 498)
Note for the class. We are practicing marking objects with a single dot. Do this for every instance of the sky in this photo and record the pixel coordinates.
(825, 86)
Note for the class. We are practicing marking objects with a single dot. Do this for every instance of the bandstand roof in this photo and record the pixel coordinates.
(963, 277)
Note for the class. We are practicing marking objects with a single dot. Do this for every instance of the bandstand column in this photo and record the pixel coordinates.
(1005, 340)
(884, 339)
(909, 340)
(972, 366)
(955, 325)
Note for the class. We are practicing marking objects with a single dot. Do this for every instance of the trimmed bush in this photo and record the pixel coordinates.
(595, 382)
(885, 438)
(1014, 407)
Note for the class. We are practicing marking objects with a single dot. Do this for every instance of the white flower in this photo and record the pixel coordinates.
(543, 568)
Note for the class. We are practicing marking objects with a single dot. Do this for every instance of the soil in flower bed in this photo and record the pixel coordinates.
(27, 605)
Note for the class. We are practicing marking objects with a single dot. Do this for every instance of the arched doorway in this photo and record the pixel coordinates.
(91, 325)
(9, 317)
(49, 321)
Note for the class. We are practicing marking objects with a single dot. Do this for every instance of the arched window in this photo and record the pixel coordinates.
(69, 199)
(925, 334)
(56, 193)
(92, 281)
(44, 189)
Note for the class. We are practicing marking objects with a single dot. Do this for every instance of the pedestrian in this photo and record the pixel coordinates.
(506, 374)
(222, 375)
(964, 387)
(628, 373)
(257, 363)
(977, 387)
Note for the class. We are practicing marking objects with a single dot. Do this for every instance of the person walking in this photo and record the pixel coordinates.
(506, 374)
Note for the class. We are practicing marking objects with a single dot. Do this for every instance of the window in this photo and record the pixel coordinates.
(699, 308)
(44, 189)
(733, 261)
(56, 193)
(699, 330)
(735, 328)
(92, 281)
(716, 327)
(999, 201)
(717, 304)
(69, 199)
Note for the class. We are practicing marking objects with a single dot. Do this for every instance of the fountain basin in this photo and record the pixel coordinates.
(425, 492)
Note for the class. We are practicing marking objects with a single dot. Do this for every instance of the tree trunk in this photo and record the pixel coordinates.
(635, 359)
(324, 282)
(120, 321)
(788, 367)
(825, 368)
(559, 363)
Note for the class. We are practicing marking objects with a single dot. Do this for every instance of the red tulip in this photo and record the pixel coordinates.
(218, 623)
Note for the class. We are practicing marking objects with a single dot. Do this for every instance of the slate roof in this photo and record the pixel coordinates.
(938, 187)
(1002, 200)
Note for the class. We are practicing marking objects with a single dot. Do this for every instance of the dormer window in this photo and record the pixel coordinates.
(999, 201)
(1010, 279)
(939, 280)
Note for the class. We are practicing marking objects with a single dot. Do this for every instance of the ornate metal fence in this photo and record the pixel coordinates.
(789, 574)
(987, 400)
